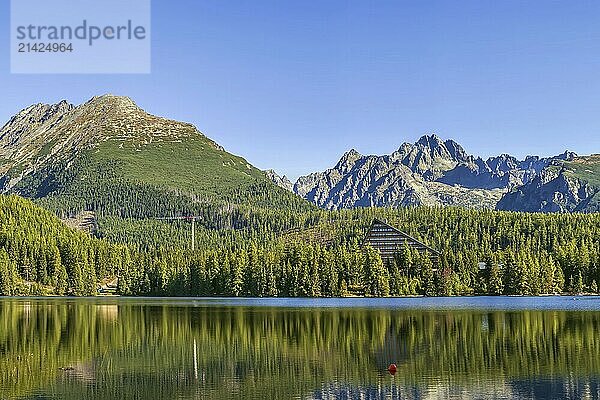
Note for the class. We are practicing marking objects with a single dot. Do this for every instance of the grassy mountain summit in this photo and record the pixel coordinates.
(113, 129)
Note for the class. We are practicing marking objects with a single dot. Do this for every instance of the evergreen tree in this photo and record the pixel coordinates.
(428, 286)
(495, 284)
(8, 275)
(578, 286)
(376, 279)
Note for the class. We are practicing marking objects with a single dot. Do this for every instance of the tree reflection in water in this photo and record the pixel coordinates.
(132, 349)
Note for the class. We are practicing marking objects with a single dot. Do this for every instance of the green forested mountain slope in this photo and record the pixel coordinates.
(126, 166)
(524, 254)
(40, 255)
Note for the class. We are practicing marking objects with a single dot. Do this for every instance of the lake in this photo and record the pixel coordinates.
(189, 348)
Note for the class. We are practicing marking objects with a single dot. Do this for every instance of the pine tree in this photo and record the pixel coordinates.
(8, 275)
(428, 286)
(376, 279)
(237, 279)
(594, 287)
(60, 280)
(559, 279)
(578, 286)
(495, 285)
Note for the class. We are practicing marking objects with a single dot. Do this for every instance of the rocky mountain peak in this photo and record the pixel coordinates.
(111, 117)
(63, 106)
(348, 160)
(502, 163)
(437, 147)
(432, 141)
(110, 107)
(456, 151)
(567, 156)
(351, 154)
(111, 100)
(37, 114)
(29, 126)
(281, 181)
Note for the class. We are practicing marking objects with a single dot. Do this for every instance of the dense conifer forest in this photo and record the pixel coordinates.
(295, 250)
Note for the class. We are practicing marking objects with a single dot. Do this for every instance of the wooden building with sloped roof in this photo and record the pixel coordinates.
(389, 241)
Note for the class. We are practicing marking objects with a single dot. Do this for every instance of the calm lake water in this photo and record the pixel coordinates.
(460, 348)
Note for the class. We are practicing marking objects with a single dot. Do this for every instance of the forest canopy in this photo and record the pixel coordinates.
(299, 252)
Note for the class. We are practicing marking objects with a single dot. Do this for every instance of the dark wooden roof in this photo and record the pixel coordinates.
(389, 240)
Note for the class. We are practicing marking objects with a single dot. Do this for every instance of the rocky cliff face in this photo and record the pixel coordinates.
(281, 181)
(500, 172)
(557, 194)
(409, 176)
(436, 172)
(558, 188)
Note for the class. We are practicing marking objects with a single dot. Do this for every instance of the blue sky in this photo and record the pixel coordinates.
(291, 85)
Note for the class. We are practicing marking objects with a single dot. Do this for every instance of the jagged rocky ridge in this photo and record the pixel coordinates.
(570, 186)
(436, 172)
(281, 181)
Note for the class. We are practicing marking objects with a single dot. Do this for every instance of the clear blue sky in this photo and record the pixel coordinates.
(291, 85)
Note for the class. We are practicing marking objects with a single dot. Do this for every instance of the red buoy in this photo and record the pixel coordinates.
(392, 369)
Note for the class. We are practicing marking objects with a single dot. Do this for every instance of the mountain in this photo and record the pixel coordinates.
(114, 130)
(281, 181)
(570, 186)
(40, 255)
(412, 175)
(437, 172)
(109, 158)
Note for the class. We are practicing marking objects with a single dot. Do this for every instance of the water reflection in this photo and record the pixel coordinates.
(132, 349)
